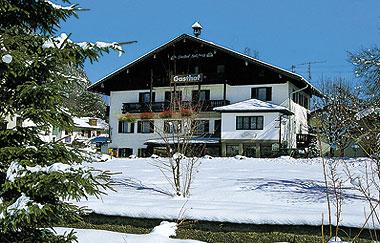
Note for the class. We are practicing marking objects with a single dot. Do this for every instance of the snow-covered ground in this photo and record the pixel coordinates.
(160, 234)
(259, 191)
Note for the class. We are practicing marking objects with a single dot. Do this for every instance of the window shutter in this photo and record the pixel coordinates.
(254, 93)
(207, 94)
(269, 94)
(167, 96)
(194, 96)
(132, 127)
(151, 123)
(120, 127)
(139, 126)
(179, 95)
(207, 126)
(153, 96)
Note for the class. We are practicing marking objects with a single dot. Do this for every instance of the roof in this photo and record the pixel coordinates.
(84, 122)
(197, 25)
(218, 47)
(253, 105)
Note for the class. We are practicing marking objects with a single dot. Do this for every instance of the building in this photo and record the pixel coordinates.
(245, 106)
(85, 128)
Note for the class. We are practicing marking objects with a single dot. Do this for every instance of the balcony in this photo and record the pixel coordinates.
(205, 105)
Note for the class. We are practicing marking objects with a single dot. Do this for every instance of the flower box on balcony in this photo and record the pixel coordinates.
(127, 118)
(166, 114)
(186, 112)
(147, 115)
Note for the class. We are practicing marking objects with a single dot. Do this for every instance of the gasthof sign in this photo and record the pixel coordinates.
(187, 78)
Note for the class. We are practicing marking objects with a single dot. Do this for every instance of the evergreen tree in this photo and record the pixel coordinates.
(78, 100)
(38, 180)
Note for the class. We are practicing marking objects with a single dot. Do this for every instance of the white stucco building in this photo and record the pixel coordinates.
(245, 106)
(84, 128)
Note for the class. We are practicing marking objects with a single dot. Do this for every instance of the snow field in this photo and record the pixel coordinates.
(239, 190)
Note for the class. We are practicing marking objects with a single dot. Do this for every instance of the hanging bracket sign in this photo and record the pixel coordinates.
(187, 78)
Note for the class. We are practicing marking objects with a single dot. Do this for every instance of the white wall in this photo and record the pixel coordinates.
(298, 123)
(270, 130)
(243, 92)
(281, 95)
(136, 140)
(49, 136)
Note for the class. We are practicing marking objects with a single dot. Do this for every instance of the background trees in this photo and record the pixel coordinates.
(78, 100)
(38, 179)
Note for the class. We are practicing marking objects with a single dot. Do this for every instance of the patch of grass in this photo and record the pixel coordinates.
(111, 227)
(215, 232)
(245, 237)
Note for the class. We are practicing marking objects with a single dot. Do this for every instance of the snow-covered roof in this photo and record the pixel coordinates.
(196, 25)
(253, 105)
(84, 122)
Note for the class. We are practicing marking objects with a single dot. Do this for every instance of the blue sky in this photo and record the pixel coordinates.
(284, 32)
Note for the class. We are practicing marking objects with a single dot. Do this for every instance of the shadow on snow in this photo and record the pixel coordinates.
(302, 190)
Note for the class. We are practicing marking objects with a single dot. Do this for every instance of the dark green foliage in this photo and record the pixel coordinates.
(39, 179)
(78, 100)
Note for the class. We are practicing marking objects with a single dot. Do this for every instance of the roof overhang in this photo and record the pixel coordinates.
(283, 111)
(96, 87)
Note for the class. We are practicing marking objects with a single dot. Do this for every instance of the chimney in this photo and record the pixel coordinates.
(197, 28)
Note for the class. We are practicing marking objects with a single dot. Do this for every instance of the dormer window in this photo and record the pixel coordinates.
(93, 122)
(264, 93)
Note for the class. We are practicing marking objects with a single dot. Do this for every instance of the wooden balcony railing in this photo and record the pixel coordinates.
(205, 105)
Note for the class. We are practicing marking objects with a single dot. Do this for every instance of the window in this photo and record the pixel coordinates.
(125, 152)
(200, 95)
(232, 149)
(18, 121)
(142, 152)
(126, 127)
(144, 97)
(300, 98)
(93, 122)
(201, 126)
(249, 150)
(145, 126)
(56, 131)
(249, 122)
(175, 96)
(264, 94)
(172, 126)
